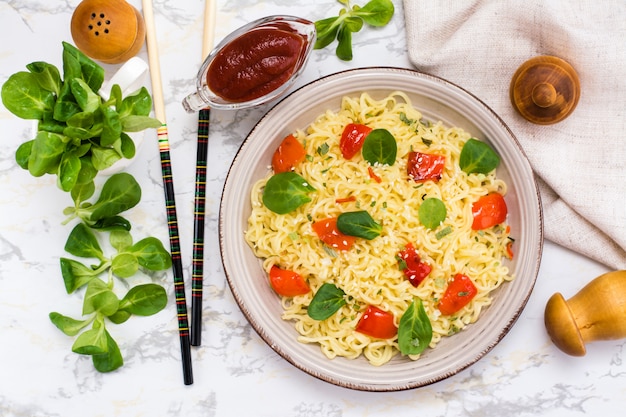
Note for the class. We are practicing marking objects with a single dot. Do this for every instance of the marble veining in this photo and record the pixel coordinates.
(235, 372)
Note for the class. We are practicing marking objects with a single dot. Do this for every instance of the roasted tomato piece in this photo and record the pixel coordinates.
(289, 153)
(488, 211)
(329, 234)
(377, 323)
(412, 266)
(461, 290)
(425, 166)
(352, 139)
(287, 283)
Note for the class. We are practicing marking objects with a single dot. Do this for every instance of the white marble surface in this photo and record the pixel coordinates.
(235, 373)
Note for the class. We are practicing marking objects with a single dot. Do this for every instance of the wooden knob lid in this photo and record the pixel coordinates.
(110, 31)
(545, 89)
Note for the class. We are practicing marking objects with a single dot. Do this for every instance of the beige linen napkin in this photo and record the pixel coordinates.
(580, 162)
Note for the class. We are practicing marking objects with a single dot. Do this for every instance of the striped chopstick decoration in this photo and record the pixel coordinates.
(177, 266)
(197, 275)
(168, 189)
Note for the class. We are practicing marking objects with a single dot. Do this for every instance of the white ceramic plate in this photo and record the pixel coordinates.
(437, 99)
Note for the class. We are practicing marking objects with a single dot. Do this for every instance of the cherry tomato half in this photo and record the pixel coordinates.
(488, 211)
(287, 283)
(289, 153)
(329, 233)
(424, 166)
(461, 290)
(414, 269)
(352, 139)
(377, 323)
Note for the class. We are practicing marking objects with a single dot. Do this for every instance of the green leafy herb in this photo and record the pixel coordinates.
(327, 301)
(443, 232)
(285, 192)
(432, 212)
(375, 13)
(75, 125)
(79, 134)
(478, 157)
(414, 331)
(360, 224)
(380, 147)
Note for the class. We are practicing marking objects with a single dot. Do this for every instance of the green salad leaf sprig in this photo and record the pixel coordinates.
(350, 20)
(80, 134)
(78, 131)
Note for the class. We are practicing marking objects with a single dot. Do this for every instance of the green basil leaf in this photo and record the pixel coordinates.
(134, 123)
(46, 75)
(124, 265)
(112, 223)
(45, 154)
(100, 298)
(87, 172)
(360, 224)
(82, 242)
(111, 127)
(144, 300)
(380, 147)
(127, 147)
(68, 325)
(285, 192)
(136, 104)
(376, 12)
(91, 342)
(81, 192)
(78, 65)
(103, 158)
(119, 317)
(65, 106)
(111, 360)
(75, 274)
(344, 47)
(478, 157)
(87, 100)
(327, 301)
(151, 254)
(353, 24)
(119, 193)
(22, 154)
(414, 331)
(23, 96)
(120, 240)
(69, 168)
(326, 32)
(432, 213)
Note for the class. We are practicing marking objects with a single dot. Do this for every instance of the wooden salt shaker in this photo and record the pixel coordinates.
(110, 31)
(545, 89)
(596, 312)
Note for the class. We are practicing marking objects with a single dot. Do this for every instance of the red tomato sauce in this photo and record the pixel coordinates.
(254, 64)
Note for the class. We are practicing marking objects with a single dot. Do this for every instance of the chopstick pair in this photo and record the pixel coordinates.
(168, 188)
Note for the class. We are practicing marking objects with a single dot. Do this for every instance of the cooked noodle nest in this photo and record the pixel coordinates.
(369, 272)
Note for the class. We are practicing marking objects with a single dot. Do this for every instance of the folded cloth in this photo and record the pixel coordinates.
(580, 162)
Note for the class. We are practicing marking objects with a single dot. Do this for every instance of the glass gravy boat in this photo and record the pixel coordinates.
(248, 52)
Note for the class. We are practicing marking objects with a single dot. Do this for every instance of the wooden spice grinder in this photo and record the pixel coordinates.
(110, 31)
(545, 89)
(597, 312)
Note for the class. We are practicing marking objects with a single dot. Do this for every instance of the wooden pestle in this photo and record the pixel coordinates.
(596, 312)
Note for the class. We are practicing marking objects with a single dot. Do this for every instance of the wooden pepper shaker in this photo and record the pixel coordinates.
(110, 31)
(596, 312)
(545, 89)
